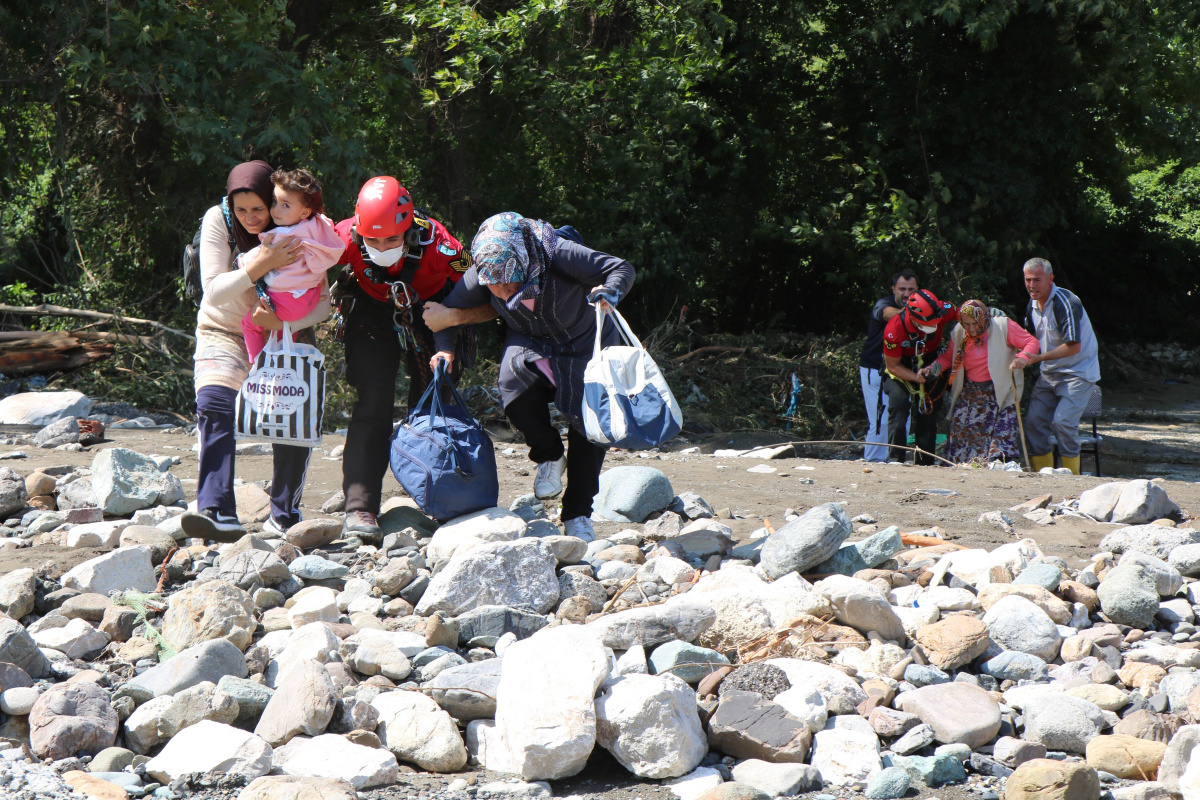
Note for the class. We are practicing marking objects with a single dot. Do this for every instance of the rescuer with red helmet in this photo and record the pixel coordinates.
(397, 258)
(912, 340)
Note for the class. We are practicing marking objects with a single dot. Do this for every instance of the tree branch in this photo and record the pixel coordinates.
(45, 309)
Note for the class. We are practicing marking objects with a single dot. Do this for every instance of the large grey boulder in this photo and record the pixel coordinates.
(13, 494)
(1167, 579)
(416, 730)
(64, 431)
(468, 691)
(861, 606)
(17, 647)
(805, 542)
(1099, 501)
(872, 551)
(1063, 722)
(520, 573)
(957, 712)
(124, 481)
(632, 494)
(1016, 623)
(1129, 596)
(209, 661)
(303, 704)
(1143, 501)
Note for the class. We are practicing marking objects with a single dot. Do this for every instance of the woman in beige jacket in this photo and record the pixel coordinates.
(221, 363)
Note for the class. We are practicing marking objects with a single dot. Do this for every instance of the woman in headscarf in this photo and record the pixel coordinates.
(230, 228)
(540, 281)
(987, 356)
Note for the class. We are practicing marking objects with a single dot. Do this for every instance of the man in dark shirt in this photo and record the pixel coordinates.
(912, 340)
(870, 364)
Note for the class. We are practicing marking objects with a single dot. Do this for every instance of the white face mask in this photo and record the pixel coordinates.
(927, 329)
(386, 258)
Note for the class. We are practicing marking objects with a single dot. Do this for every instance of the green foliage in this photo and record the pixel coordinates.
(768, 163)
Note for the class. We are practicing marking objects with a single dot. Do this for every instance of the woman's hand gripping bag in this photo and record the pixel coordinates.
(626, 400)
(442, 457)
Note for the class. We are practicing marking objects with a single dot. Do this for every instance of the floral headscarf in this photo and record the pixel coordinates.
(978, 313)
(509, 248)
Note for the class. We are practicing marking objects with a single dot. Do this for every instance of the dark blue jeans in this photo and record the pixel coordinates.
(214, 420)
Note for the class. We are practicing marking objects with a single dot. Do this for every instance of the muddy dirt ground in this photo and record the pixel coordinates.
(1152, 432)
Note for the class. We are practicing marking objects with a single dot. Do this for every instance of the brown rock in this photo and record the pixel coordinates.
(45, 502)
(1032, 505)
(136, 649)
(953, 641)
(1141, 676)
(1146, 724)
(712, 681)
(160, 542)
(1046, 779)
(91, 786)
(1076, 592)
(574, 609)
(1126, 756)
(732, 790)
(289, 787)
(869, 575)
(441, 631)
(69, 718)
(313, 533)
(118, 622)
(629, 553)
(365, 738)
(881, 689)
(39, 484)
(1075, 648)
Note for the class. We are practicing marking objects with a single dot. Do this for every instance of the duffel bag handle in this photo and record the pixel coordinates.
(434, 391)
(622, 328)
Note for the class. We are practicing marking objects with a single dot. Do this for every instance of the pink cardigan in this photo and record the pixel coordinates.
(320, 249)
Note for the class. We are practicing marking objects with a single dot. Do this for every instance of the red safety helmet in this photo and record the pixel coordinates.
(384, 208)
(924, 306)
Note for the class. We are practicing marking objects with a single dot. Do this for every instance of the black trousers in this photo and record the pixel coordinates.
(902, 405)
(373, 355)
(530, 414)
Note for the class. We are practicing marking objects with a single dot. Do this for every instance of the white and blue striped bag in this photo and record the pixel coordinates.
(626, 400)
(283, 399)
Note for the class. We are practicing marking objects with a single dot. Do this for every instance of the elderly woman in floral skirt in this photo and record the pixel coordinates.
(987, 356)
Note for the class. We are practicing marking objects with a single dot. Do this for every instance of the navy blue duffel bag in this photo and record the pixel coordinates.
(442, 457)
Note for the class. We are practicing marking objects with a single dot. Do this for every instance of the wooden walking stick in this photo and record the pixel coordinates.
(1020, 423)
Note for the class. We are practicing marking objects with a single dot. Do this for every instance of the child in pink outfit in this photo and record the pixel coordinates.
(293, 290)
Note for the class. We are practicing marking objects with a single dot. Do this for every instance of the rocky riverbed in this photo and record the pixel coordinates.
(747, 624)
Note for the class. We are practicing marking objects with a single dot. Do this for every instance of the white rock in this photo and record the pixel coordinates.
(372, 652)
(18, 700)
(545, 714)
(126, 568)
(1167, 579)
(668, 570)
(354, 589)
(1099, 501)
(75, 639)
(413, 727)
(650, 725)
(318, 604)
(303, 704)
(1015, 623)
(1142, 501)
(805, 703)
(861, 606)
(470, 530)
(846, 758)
(312, 642)
(42, 408)
(695, 783)
(631, 662)
(211, 747)
(945, 598)
(142, 726)
(914, 619)
(333, 756)
(97, 534)
(841, 692)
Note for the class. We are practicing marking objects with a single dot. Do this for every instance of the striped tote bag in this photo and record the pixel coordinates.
(283, 399)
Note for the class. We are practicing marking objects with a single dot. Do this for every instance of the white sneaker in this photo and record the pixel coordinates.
(580, 528)
(271, 526)
(548, 481)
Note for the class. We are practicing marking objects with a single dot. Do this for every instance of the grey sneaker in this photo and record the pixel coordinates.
(211, 525)
(362, 524)
(580, 528)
